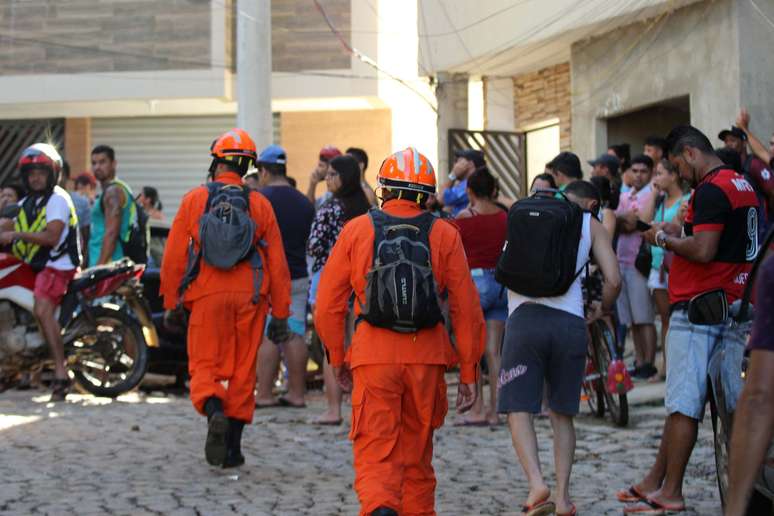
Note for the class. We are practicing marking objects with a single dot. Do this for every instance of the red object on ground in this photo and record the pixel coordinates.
(618, 379)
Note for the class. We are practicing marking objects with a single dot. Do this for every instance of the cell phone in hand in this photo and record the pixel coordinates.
(643, 226)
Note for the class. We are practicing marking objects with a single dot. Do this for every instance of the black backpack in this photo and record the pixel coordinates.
(541, 250)
(135, 247)
(400, 290)
(226, 235)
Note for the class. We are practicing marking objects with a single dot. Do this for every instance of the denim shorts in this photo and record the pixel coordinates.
(690, 349)
(494, 301)
(299, 293)
(314, 284)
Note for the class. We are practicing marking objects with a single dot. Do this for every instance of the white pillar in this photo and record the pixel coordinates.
(254, 70)
(451, 93)
(500, 115)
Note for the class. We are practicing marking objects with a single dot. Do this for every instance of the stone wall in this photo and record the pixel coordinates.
(301, 40)
(78, 36)
(543, 95)
(88, 36)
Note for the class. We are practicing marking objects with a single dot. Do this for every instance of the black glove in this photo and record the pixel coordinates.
(278, 331)
(176, 321)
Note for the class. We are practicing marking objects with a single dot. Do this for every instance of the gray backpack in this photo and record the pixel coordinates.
(226, 235)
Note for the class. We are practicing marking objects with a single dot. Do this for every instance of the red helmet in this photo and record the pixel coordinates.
(236, 148)
(40, 155)
(407, 170)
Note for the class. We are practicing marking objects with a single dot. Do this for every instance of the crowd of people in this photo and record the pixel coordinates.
(390, 279)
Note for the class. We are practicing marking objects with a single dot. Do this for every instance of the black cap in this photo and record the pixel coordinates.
(568, 164)
(611, 162)
(476, 156)
(734, 131)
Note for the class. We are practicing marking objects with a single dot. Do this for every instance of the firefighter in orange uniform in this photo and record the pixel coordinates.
(400, 351)
(224, 261)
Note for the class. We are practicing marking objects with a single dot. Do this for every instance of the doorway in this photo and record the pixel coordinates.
(655, 120)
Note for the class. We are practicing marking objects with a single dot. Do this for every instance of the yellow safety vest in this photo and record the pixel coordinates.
(32, 219)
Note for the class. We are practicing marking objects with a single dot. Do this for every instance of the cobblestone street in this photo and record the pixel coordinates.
(143, 454)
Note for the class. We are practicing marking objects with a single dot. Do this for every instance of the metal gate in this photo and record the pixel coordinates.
(506, 156)
(16, 135)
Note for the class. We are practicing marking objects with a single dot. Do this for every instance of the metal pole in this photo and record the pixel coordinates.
(254, 70)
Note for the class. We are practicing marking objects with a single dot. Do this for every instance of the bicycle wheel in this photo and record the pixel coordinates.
(590, 390)
(603, 341)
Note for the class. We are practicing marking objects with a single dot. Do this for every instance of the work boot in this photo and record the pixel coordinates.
(217, 428)
(384, 511)
(234, 457)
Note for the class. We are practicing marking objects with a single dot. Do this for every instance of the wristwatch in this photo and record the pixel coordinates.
(661, 239)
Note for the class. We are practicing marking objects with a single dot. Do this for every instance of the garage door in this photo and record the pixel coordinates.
(168, 153)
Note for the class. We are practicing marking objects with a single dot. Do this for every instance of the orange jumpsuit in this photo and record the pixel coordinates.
(399, 393)
(225, 328)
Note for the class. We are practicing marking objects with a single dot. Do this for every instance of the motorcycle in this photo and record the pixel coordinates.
(106, 326)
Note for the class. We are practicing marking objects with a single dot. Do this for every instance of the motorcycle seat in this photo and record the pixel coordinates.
(93, 275)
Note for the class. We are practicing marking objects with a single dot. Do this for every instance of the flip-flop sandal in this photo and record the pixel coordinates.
(284, 402)
(540, 508)
(630, 495)
(650, 506)
(573, 512)
(259, 406)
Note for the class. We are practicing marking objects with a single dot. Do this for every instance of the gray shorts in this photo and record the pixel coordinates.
(696, 352)
(299, 294)
(634, 303)
(542, 344)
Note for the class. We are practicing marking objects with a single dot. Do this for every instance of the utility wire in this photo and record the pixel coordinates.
(367, 60)
(760, 11)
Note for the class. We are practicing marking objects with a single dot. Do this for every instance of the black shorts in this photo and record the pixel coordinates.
(542, 344)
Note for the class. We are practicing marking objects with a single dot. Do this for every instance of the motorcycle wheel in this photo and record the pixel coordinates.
(112, 357)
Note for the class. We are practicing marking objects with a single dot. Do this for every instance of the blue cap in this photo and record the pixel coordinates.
(273, 155)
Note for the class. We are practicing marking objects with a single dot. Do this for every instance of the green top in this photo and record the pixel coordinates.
(664, 214)
(128, 214)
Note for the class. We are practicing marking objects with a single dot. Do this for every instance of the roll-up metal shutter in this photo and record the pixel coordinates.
(168, 153)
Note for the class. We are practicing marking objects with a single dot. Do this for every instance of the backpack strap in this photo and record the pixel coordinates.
(195, 257)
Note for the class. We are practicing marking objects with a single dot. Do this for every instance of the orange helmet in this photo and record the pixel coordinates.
(236, 148)
(407, 170)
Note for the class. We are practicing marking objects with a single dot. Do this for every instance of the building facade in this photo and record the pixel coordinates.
(586, 75)
(156, 80)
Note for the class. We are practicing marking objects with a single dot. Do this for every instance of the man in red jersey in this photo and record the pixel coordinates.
(718, 243)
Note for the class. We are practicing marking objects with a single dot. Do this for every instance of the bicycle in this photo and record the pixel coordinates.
(603, 348)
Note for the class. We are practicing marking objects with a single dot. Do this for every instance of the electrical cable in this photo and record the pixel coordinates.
(367, 60)
(760, 11)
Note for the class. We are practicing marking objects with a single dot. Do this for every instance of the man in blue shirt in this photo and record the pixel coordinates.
(453, 194)
(294, 214)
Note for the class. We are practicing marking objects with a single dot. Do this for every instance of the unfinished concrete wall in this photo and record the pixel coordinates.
(756, 41)
(691, 51)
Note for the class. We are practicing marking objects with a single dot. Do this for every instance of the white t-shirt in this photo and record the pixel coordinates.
(58, 208)
(572, 300)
